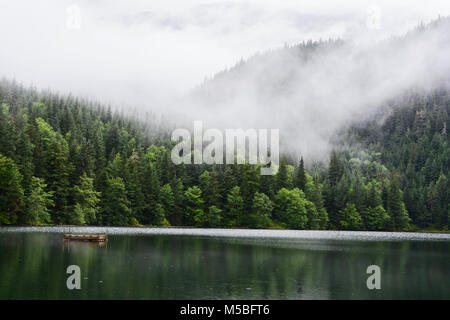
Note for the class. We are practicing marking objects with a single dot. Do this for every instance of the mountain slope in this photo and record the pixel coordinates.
(377, 154)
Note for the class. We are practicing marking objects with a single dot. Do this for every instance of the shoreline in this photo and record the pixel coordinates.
(240, 233)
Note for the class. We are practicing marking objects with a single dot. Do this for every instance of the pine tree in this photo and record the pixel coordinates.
(167, 201)
(318, 201)
(11, 192)
(133, 183)
(290, 208)
(86, 201)
(178, 196)
(194, 205)
(228, 182)
(350, 218)
(376, 218)
(52, 154)
(249, 185)
(300, 181)
(38, 203)
(115, 205)
(335, 169)
(235, 206)
(211, 218)
(261, 211)
(282, 176)
(396, 207)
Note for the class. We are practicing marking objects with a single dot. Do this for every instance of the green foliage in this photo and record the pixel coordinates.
(67, 160)
(210, 219)
(283, 179)
(290, 208)
(235, 206)
(167, 201)
(261, 215)
(317, 198)
(38, 203)
(52, 155)
(194, 205)
(11, 192)
(396, 208)
(350, 218)
(376, 219)
(300, 179)
(86, 202)
(115, 205)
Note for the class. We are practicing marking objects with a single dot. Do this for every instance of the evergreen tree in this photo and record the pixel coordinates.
(167, 201)
(317, 199)
(376, 218)
(80, 149)
(210, 219)
(133, 183)
(38, 203)
(178, 197)
(11, 192)
(115, 205)
(261, 211)
(249, 185)
(194, 205)
(396, 207)
(290, 208)
(235, 206)
(300, 181)
(86, 201)
(350, 218)
(282, 175)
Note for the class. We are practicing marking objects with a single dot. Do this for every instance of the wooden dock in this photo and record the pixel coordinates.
(86, 237)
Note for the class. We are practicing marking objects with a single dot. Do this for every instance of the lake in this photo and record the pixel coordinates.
(184, 263)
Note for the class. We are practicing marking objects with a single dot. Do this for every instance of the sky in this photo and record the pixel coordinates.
(146, 53)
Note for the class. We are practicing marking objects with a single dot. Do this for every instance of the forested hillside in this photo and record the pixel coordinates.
(67, 161)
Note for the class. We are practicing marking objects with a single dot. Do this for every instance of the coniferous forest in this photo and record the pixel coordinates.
(65, 160)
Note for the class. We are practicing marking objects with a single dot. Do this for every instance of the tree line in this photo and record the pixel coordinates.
(64, 160)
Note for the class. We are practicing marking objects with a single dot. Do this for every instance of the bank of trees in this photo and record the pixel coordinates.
(68, 161)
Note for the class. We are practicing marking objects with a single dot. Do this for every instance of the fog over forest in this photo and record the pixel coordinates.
(152, 57)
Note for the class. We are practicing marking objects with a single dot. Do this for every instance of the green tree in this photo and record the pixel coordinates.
(211, 190)
(317, 198)
(11, 192)
(133, 182)
(313, 216)
(283, 175)
(115, 205)
(86, 201)
(261, 212)
(38, 203)
(350, 218)
(167, 201)
(194, 204)
(178, 197)
(249, 185)
(211, 218)
(53, 165)
(396, 207)
(376, 219)
(300, 179)
(290, 208)
(235, 206)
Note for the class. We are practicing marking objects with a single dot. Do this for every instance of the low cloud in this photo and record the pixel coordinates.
(150, 55)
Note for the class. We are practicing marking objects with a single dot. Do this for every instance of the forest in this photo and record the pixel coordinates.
(65, 160)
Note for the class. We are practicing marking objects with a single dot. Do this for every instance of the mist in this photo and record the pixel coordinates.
(155, 56)
(310, 93)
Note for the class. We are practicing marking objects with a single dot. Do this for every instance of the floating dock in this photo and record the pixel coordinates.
(86, 237)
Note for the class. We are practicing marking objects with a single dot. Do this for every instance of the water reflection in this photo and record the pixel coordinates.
(33, 265)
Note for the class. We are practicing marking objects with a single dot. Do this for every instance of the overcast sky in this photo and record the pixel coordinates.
(144, 52)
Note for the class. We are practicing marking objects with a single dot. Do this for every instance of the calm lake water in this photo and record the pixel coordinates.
(170, 263)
